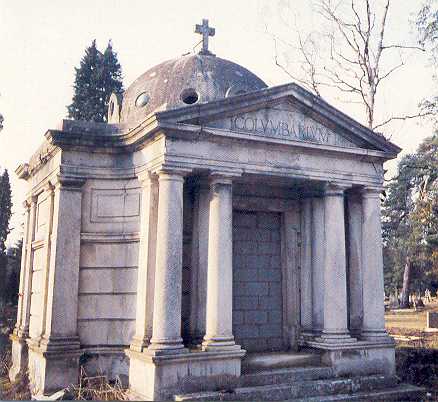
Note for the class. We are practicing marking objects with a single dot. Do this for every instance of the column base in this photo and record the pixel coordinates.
(220, 343)
(376, 335)
(139, 344)
(19, 357)
(165, 347)
(306, 335)
(335, 338)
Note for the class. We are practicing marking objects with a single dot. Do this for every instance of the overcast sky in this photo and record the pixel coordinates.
(42, 41)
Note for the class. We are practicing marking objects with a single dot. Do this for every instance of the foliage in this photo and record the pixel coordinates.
(13, 269)
(97, 77)
(410, 219)
(427, 25)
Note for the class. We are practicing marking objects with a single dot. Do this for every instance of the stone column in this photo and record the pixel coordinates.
(318, 264)
(27, 290)
(18, 337)
(354, 243)
(306, 268)
(335, 276)
(372, 267)
(25, 247)
(146, 263)
(198, 295)
(166, 333)
(219, 326)
(54, 360)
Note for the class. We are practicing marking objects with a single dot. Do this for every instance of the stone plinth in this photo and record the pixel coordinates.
(158, 378)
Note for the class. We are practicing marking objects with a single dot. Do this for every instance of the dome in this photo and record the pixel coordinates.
(184, 81)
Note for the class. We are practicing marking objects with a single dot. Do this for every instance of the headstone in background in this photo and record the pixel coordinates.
(432, 320)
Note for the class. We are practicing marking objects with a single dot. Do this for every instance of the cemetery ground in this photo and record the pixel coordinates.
(416, 357)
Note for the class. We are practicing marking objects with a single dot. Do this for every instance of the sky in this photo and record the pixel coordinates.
(42, 41)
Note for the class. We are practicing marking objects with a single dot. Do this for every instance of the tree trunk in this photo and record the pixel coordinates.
(406, 284)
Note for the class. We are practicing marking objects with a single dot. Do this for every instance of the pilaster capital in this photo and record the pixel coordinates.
(49, 188)
(68, 183)
(146, 178)
(26, 205)
(334, 189)
(31, 201)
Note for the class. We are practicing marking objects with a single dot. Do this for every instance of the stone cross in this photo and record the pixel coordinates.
(205, 31)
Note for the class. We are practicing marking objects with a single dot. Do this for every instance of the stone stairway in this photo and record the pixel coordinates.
(309, 382)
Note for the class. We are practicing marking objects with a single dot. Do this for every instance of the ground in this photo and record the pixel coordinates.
(417, 349)
(416, 356)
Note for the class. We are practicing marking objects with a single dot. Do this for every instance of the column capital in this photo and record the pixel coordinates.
(171, 171)
(218, 177)
(371, 191)
(335, 189)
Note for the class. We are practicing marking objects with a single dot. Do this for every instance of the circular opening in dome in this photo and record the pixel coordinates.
(142, 99)
(189, 96)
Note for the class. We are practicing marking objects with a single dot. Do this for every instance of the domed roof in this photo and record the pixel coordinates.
(187, 80)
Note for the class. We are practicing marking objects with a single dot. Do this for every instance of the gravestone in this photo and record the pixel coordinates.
(432, 320)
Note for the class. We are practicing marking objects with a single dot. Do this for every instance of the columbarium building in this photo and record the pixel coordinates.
(217, 234)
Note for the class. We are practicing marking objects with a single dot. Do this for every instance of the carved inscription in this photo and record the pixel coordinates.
(290, 128)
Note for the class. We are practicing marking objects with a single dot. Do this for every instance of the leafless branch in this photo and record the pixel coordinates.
(406, 117)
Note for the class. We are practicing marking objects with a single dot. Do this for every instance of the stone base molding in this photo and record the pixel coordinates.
(160, 377)
(51, 371)
(19, 357)
(359, 358)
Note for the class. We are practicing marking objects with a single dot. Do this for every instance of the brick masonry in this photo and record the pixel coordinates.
(257, 293)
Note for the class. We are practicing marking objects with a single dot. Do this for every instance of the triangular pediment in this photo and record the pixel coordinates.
(288, 113)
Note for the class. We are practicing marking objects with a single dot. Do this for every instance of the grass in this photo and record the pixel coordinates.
(416, 350)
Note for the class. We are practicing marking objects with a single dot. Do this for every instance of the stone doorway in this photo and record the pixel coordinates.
(257, 281)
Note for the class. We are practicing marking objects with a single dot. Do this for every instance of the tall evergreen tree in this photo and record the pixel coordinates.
(96, 78)
(112, 76)
(5, 209)
(5, 216)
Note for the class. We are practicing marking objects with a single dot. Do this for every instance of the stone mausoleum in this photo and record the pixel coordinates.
(217, 239)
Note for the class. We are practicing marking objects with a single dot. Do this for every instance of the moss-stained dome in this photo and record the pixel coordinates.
(187, 80)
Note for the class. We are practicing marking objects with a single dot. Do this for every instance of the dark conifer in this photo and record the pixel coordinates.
(96, 78)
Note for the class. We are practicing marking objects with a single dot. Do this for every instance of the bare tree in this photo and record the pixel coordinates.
(347, 55)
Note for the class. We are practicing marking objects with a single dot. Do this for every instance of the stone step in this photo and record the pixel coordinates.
(302, 389)
(402, 392)
(285, 376)
(263, 361)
